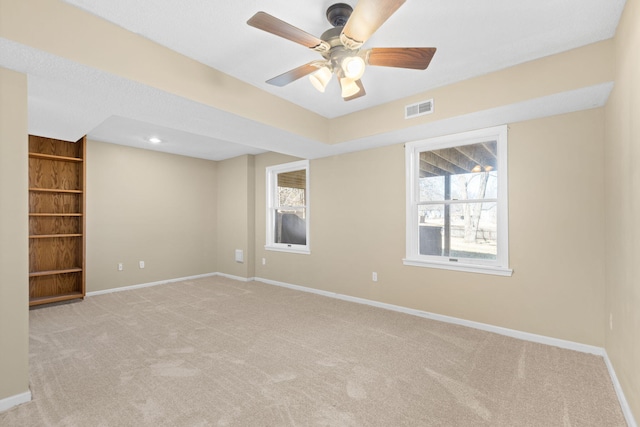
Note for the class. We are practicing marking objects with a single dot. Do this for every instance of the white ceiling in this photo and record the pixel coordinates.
(473, 37)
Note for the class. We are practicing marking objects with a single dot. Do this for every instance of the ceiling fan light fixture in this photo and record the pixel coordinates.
(353, 67)
(349, 87)
(321, 78)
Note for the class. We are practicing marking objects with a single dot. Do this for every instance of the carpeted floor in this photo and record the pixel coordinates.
(216, 352)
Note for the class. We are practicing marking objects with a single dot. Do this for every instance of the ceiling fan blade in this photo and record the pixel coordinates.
(366, 18)
(293, 75)
(360, 93)
(265, 22)
(417, 58)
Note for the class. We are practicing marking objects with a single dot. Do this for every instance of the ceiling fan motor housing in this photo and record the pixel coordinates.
(338, 14)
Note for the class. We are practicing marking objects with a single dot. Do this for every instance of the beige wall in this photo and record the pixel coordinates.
(622, 158)
(556, 240)
(14, 246)
(148, 206)
(236, 215)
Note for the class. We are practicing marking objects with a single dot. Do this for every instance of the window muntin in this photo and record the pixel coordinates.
(288, 207)
(456, 202)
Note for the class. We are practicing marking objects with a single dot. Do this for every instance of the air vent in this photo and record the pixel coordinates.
(418, 109)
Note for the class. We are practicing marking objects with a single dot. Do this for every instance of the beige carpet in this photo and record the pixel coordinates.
(216, 352)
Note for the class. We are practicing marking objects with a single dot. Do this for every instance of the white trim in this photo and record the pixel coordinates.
(624, 405)
(302, 288)
(460, 266)
(15, 400)
(163, 282)
(294, 249)
(541, 339)
(146, 285)
(231, 276)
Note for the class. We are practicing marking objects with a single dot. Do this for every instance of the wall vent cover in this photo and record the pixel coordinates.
(418, 109)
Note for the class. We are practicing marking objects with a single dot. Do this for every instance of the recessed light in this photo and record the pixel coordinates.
(155, 140)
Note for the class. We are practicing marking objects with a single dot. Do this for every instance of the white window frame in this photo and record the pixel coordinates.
(272, 205)
(499, 266)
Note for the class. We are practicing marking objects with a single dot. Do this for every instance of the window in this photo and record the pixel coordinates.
(457, 202)
(288, 207)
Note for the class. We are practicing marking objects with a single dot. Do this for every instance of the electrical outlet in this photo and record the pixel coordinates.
(264, 261)
(141, 263)
(120, 266)
(374, 276)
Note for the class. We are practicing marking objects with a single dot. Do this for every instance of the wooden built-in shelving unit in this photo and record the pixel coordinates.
(56, 220)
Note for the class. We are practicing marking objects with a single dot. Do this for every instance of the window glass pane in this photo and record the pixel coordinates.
(290, 226)
(482, 185)
(458, 230)
(473, 230)
(292, 188)
(459, 173)
(431, 189)
(431, 227)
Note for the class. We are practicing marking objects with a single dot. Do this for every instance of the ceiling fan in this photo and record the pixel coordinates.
(340, 46)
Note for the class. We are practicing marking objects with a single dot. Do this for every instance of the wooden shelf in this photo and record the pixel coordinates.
(52, 272)
(54, 157)
(50, 236)
(54, 190)
(57, 223)
(55, 214)
(55, 298)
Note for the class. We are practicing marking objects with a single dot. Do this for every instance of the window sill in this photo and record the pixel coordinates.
(293, 250)
(469, 268)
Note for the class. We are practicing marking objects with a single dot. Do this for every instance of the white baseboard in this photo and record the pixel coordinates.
(570, 345)
(238, 278)
(526, 336)
(163, 282)
(146, 285)
(15, 400)
(626, 409)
